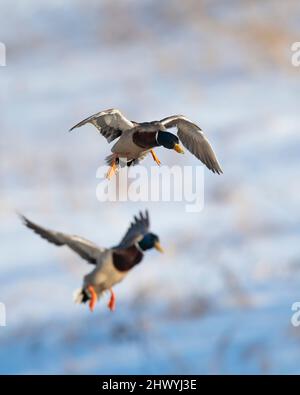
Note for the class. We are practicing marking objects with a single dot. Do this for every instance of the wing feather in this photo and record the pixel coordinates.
(110, 123)
(138, 228)
(85, 248)
(193, 138)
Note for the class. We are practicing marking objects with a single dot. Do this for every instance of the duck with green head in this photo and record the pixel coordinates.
(137, 139)
(111, 265)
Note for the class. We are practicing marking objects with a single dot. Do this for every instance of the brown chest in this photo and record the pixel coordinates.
(127, 258)
(145, 140)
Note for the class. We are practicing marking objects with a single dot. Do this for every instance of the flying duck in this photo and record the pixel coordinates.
(137, 139)
(111, 265)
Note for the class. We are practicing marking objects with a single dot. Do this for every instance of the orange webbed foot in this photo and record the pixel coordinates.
(112, 301)
(155, 158)
(93, 299)
(112, 170)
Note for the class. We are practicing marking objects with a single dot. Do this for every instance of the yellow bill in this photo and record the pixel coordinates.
(158, 247)
(178, 148)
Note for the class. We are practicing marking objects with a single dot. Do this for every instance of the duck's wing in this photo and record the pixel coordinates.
(193, 138)
(110, 123)
(137, 229)
(85, 248)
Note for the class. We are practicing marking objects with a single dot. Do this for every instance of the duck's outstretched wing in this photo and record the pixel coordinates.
(193, 138)
(137, 229)
(110, 123)
(86, 249)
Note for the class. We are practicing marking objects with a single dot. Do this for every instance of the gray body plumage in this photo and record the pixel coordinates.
(126, 148)
(112, 125)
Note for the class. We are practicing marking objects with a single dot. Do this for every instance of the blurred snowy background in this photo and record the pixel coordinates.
(219, 300)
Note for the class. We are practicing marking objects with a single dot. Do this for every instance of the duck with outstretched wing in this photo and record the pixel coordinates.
(137, 139)
(111, 265)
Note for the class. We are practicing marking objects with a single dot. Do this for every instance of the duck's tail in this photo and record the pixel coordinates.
(110, 159)
(87, 295)
(80, 296)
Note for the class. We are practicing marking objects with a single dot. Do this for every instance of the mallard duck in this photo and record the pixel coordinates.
(111, 265)
(136, 139)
